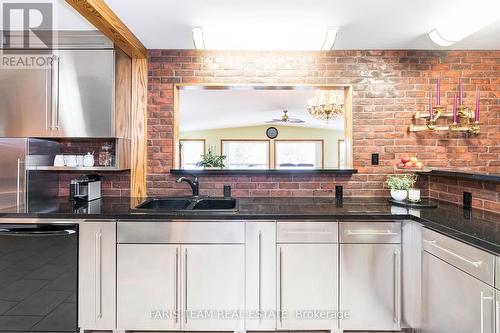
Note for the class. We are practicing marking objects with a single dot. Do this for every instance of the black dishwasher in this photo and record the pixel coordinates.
(38, 277)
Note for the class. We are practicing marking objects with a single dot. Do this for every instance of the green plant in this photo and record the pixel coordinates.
(401, 182)
(210, 160)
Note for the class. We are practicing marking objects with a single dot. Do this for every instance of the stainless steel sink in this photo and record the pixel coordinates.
(199, 204)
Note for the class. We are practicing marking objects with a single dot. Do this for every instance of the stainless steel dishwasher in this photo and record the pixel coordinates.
(38, 277)
(370, 275)
(458, 296)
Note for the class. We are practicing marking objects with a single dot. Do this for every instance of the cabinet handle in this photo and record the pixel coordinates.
(482, 309)
(281, 284)
(176, 285)
(497, 317)
(54, 123)
(98, 263)
(185, 285)
(371, 233)
(19, 190)
(259, 256)
(47, 126)
(451, 253)
(397, 289)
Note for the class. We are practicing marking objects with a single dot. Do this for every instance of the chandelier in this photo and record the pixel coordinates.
(327, 104)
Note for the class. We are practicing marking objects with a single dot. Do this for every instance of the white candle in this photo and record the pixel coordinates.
(414, 194)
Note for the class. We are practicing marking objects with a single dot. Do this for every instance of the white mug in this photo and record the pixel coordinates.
(70, 160)
(79, 160)
(59, 161)
(88, 160)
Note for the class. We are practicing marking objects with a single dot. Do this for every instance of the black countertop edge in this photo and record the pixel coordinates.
(495, 178)
(229, 172)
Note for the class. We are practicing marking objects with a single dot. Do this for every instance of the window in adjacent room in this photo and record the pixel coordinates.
(191, 152)
(299, 154)
(246, 154)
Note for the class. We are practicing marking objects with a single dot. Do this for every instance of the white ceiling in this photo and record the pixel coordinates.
(209, 109)
(364, 24)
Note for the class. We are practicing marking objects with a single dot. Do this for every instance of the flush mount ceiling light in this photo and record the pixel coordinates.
(264, 36)
(198, 40)
(436, 37)
(331, 35)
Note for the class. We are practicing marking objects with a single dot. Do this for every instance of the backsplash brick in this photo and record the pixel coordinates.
(388, 87)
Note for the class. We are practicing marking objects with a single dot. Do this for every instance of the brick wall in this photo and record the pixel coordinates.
(388, 87)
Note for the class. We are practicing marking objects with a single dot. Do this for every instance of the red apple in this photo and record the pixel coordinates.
(405, 160)
(401, 165)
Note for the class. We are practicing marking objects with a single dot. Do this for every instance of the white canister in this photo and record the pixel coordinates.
(88, 160)
(59, 161)
(414, 195)
(79, 160)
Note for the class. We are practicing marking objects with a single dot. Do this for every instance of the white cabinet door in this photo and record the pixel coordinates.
(260, 275)
(148, 286)
(213, 287)
(307, 286)
(370, 286)
(97, 275)
(454, 301)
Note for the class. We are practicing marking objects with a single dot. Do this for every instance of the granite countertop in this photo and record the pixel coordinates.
(476, 227)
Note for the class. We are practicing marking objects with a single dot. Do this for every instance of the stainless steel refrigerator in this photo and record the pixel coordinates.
(21, 187)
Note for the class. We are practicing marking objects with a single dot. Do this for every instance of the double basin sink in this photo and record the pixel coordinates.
(189, 204)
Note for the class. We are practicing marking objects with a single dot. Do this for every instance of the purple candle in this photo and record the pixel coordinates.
(438, 97)
(430, 105)
(461, 89)
(477, 105)
(455, 109)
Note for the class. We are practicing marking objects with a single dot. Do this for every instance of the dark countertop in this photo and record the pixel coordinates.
(476, 227)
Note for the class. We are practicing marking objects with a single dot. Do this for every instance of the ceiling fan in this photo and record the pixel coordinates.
(286, 119)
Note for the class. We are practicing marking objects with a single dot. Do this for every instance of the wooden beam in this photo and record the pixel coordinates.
(104, 19)
(138, 127)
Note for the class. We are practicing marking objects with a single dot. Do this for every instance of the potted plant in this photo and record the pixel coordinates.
(211, 160)
(399, 185)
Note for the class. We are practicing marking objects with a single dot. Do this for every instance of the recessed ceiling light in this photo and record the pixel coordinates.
(331, 35)
(198, 40)
(437, 38)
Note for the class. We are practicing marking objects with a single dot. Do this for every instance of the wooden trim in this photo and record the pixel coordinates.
(250, 140)
(259, 86)
(104, 19)
(302, 140)
(349, 158)
(180, 149)
(338, 151)
(138, 128)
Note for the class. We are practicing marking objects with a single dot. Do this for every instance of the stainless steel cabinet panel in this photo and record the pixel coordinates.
(148, 287)
(260, 264)
(85, 93)
(307, 283)
(370, 232)
(13, 172)
(181, 232)
(26, 99)
(307, 232)
(214, 281)
(97, 275)
(370, 279)
(472, 260)
(454, 301)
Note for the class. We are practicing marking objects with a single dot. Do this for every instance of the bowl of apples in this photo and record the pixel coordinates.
(410, 163)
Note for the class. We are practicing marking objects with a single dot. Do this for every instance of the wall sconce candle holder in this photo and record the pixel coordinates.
(465, 120)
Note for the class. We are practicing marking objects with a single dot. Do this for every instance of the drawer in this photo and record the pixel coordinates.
(474, 261)
(370, 232)
(199, 232)
(307, 232)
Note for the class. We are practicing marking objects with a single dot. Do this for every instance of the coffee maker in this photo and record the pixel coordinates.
(87, 188)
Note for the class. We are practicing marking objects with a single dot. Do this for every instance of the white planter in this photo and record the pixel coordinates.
(399, 195)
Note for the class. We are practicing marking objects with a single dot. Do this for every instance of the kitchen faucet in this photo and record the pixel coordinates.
(195, 184)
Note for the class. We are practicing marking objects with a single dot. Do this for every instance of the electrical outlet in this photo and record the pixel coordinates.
(467, 200)
(375, 159)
